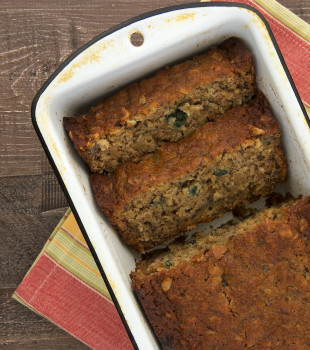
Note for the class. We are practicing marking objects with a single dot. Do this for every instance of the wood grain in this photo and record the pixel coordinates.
(35, 37)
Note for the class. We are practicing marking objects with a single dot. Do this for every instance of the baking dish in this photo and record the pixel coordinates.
(109, 62)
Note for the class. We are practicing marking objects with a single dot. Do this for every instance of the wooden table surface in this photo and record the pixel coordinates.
(35, 37)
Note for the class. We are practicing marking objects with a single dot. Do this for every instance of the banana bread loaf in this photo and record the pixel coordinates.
(242, 286)
(224, 163)
(166, 107)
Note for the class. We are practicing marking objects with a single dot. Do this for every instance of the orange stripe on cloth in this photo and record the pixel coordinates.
(71, 226)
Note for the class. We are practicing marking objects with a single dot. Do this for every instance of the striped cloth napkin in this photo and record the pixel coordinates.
(64, 284)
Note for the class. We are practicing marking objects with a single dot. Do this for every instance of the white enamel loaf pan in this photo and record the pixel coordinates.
(109, 62)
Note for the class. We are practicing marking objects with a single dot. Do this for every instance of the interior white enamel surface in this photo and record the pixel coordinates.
(113, 62)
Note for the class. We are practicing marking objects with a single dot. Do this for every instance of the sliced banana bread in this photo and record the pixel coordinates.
(242, 286)
(224, 163)
(165, 107)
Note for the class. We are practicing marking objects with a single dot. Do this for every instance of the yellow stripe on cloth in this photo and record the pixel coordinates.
(287, 17)
(72, 227)
(70, 250)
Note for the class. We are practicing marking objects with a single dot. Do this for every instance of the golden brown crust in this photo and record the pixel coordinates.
(212, 139)
(252, 292)
(138, 99)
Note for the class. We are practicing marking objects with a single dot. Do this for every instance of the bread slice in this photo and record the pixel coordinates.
(165, 107)
(224, 163)
(245, 285)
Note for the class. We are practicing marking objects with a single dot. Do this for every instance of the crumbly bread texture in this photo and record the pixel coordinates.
(243, 286)
(165, 107)
(224, 163)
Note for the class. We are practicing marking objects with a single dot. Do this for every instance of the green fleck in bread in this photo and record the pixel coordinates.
(224, 163)
(165, 107)
(242, 286)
